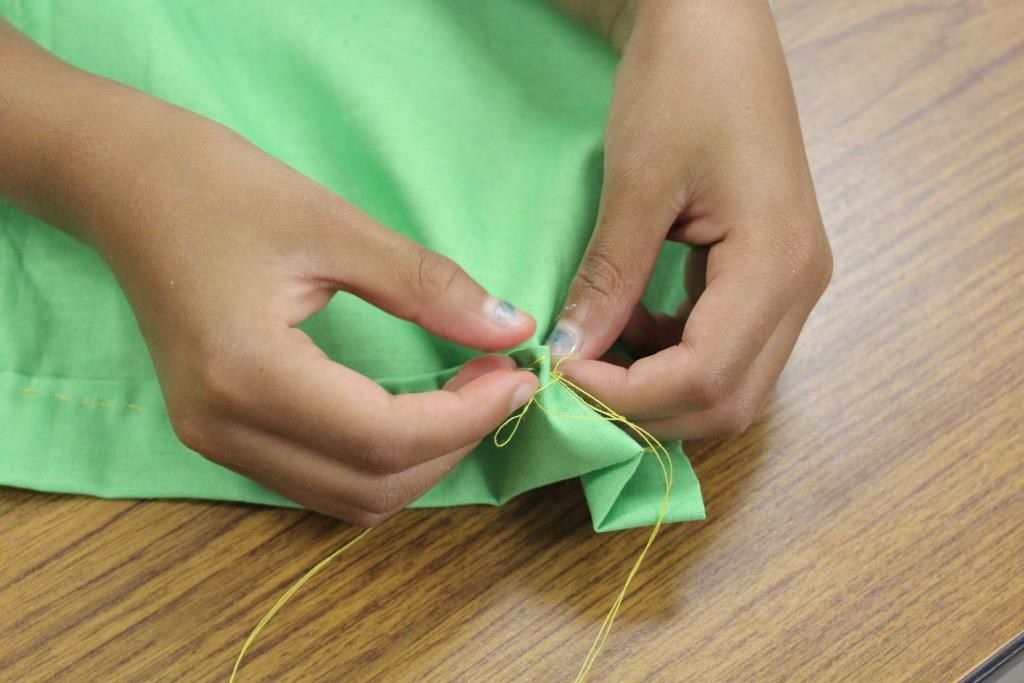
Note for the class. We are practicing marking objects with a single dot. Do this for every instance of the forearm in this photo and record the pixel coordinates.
(69, 140)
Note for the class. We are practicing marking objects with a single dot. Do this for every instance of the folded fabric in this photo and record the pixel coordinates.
(472, 127)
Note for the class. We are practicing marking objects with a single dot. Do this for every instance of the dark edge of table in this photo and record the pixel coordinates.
(996, 661)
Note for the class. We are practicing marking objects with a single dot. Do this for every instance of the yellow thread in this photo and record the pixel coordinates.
(67, 398)
(284, 598)
(651, 444)
(603, 412)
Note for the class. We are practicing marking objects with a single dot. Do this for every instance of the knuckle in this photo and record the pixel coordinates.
(826, 264)
(377, 499)
(387, 496)
(708, 390)
(381, 455)
(374, 456)
(190, 426)
(362, 518)
(205, 434)
(734, 419)
(801, 251)
(436, 274)
(218, 385)
(601, 274)
(810, 257)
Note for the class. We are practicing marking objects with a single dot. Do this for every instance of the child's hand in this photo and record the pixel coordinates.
(222, 250)
(703, 146)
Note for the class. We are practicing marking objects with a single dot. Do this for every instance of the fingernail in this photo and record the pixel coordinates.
(502, 312)
(521, 395)
(563, 340)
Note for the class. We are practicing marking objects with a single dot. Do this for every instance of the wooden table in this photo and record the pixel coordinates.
(869, 527)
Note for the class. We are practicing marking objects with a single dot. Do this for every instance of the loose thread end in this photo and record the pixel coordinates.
(602, 412)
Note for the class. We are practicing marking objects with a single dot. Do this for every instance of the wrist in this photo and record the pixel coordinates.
(109, 169)
(96, 156)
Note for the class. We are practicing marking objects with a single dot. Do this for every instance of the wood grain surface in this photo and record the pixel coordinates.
(869, 527)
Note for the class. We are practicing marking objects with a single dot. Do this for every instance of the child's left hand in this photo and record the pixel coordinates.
(703, 146)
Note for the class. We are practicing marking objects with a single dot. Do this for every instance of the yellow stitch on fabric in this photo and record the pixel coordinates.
(28, 390)
(62, 397)
(104, 404)
(86, 402)
(138, 409)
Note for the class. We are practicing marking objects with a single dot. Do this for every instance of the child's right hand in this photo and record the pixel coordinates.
(222, 250)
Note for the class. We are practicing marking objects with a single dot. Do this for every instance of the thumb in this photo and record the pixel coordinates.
(394, 273)
(611, 277)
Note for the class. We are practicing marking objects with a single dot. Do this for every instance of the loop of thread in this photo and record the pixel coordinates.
(603, 412)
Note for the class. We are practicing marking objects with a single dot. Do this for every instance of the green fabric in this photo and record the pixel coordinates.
(473, 127)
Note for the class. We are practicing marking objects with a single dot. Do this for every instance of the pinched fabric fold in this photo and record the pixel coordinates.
(623, 483)
(473, 128)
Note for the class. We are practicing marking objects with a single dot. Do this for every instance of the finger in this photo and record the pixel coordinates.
(748, 292)
(735, 414)
(302, 395)
(325, 484)
(411, 282)
(642, 195)
(478, 367)
(445, 420)
(610, 280)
